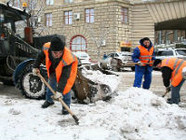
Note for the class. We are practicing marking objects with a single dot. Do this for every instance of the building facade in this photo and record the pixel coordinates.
(92, 26)
(98, 26)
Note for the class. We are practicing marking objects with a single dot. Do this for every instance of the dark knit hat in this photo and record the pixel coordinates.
(145, 38)
(57, 44)
(156, 62)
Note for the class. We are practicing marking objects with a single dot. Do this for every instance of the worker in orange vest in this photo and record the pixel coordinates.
(174, 72)
(144, 56)
(61, 67)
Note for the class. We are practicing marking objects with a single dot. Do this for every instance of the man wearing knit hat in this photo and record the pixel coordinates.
(144, 57)
(61, 67)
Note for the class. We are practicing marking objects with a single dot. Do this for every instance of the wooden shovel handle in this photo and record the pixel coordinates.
(60, 100)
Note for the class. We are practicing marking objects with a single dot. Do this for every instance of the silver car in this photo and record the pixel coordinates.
(171, 52)
(116, 61)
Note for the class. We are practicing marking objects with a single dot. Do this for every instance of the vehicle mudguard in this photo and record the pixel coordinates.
(19, 69)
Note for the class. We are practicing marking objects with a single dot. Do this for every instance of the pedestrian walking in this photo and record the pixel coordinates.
(173, 74)
(144, 56)
(104, 55)
(61, 67)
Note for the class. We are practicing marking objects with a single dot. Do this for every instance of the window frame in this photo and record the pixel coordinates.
(50, 20)
(90, 16)
(70, 17)
(17, 3)
(76, 50)
(49, 2)
(125, 15)
(68, 1)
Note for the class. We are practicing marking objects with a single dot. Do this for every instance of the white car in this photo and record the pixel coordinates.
(117, 60)
(83, 57)
(171, 52)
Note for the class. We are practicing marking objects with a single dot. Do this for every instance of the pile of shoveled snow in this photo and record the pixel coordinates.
(98, 77)
(135, 114)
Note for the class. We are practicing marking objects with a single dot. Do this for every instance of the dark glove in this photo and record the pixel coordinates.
(168, 89)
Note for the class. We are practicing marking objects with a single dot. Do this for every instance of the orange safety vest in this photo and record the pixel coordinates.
(146, 55)
(67, 59)
(176, 65)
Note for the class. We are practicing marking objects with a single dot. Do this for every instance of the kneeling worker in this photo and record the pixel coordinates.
(61, 67)
(174, 70)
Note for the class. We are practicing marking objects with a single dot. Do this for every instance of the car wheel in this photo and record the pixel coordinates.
(31, 85)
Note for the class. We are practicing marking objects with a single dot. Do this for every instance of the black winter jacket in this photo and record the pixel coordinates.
(166, 75)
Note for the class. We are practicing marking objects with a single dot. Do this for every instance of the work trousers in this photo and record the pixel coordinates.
(175, 93)
(52, 82)
(141, 71)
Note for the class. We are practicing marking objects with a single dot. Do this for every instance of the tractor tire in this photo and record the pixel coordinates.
(31, 85)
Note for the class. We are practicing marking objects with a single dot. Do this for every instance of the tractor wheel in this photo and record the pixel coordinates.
(31, 85)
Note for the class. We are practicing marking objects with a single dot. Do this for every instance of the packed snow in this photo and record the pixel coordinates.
(134, 114)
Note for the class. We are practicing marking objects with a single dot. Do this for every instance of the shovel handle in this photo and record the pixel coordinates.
(165, 94)
(60, 100)
(134, 63)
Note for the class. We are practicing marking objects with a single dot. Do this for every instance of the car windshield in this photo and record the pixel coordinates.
(164, 53)
(182, 52)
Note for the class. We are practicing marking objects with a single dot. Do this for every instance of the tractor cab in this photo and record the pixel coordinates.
(12, 24)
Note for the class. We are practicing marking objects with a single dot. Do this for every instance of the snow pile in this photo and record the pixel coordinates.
(135, 114)
(97, 76)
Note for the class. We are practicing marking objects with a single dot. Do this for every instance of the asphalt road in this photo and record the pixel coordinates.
(10, 91)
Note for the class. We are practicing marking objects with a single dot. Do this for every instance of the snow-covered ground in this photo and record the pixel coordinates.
(134, 114)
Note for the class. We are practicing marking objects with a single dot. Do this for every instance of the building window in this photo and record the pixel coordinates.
(17, 3)
(68, 1)
(68, 17)
(49, 2)
(78, 43)
(124, 15)
(48, 19)
(89, 14)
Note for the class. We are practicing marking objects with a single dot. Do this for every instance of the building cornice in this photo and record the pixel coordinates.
(155, 2)
(86, 3)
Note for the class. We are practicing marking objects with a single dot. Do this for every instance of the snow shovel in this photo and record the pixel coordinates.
(165, 93)
(60, 100)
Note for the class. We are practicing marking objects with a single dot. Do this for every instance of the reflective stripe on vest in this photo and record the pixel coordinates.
(146, 55)
(181, 63)
(176, 65)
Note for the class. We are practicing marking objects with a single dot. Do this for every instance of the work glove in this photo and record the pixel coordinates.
(168, 89)
(35, 71)
(57, 95)
(140, 63)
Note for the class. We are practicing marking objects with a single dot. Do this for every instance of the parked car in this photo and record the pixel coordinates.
(117, 60)
(83, 57)
(171, 52)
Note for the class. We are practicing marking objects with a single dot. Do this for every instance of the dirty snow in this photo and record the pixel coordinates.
(134, 114)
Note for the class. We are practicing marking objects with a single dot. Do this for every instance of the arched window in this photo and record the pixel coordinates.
(78, 43)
